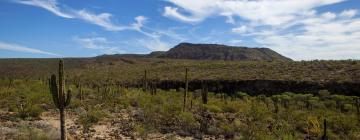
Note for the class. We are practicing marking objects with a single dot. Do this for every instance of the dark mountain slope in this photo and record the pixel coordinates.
(221, 52)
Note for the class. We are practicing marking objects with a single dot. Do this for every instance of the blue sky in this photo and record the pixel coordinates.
(299, 29)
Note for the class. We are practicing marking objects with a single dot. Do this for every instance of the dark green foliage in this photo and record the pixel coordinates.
(26, 111)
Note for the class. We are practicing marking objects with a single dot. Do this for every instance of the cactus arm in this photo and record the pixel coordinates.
(54, 90)
(68, 98)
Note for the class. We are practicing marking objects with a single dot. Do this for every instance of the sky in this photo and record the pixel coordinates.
(298, 29)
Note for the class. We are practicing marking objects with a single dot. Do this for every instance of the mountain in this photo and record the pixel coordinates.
(213, 52)
(220, 52)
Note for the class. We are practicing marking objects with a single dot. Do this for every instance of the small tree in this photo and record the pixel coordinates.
(60, 98)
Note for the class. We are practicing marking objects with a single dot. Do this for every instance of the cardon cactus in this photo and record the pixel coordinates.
(145, 82)
(186, 89)
(204, 93)
(324, 137)
(60, 98)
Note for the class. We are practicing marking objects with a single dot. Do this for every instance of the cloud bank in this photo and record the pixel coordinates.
(293, 28)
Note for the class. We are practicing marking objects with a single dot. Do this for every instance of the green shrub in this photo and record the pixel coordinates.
(230, 108)
(91, 117)
(241, 95)
(188, 121)
(143, 130)
(33, 111)
(213, 108)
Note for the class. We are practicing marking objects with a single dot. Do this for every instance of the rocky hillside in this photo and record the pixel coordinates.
(209, 52)
(220, 52)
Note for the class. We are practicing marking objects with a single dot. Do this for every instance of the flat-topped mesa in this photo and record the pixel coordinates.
(221, 52)
(209, 52)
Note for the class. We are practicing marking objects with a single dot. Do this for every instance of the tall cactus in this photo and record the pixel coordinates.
(186, 88)
(145, 82)
(60, 98)
(357, 105)
(204, 93)
(324, 137)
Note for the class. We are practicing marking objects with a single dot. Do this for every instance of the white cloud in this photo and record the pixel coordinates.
(240, 30)
(140, 20)
(329, 15)
(102, 19)
(50, 5)
(349, 13)
(290, 27)
(269, 12)
(319, 39)
(173, 13)
(19, 48)
(153, 44)
(98, 43)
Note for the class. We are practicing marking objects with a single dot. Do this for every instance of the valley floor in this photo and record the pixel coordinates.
(27, 111)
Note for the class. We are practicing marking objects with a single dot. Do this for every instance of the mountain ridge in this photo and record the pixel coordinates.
(212, 52)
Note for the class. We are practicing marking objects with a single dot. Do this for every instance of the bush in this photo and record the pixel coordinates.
(213, 108)
(230, 108)
(33, 111)
(91, 117)
(228, 130)
(241, 95)
(187, 121)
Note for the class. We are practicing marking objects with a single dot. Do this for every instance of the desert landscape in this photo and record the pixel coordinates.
(180, 70)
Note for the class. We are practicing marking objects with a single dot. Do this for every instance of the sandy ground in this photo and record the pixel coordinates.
(108, 129)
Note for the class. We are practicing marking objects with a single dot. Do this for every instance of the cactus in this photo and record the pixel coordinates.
(357, 105)
(145, 82)
(153, 87)
(204, 93)
(11, 82)
(186, 89)
(60, 98)
(275, 100)
(81, 96)
(324, 137)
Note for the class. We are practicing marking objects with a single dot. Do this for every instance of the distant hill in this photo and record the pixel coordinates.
(211, 52)
(221, 52)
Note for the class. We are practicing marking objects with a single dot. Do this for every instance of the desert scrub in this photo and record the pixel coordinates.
(143, 130)
(160, 111)
(91, 117)
(344, 125)
(212, 108)
(30, 111)
(188, 122)
(27, 132)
